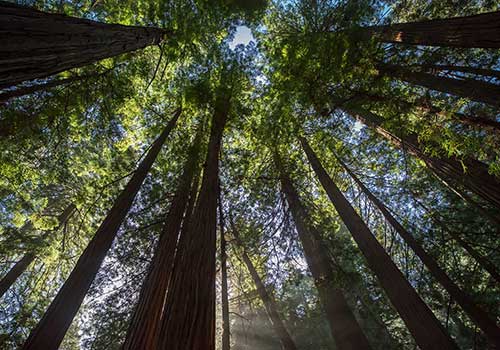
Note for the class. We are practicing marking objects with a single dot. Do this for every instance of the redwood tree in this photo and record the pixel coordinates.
(50, 331)
(37, 44)
(421, 322)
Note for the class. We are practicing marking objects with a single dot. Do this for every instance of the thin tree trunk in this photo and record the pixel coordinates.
(226, 333)
(344, 327)
(482, 30)
(272, 310)
(145, 324)
(421, 322)
(432, 68)
(36, 44)
(50, 331)
(481, 318)
(474, 90)
(189, 315)
(21, 266)
(475, 178)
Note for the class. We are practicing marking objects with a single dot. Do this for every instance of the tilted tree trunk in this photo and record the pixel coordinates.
(21, 266)
(270, 305)
(146, 320)
(425, 106)
(482, 30)
(189, 315)
(344, 327)
(432, 68)
(36, 44)
(474, 90)
(428, 333)
(50, 331)
(450, 170)
(480, 318)
(226, 332)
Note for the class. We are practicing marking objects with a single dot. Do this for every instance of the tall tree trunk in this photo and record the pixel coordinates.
(50, 331)
(474, 90)
(226, 333)
(432, 68)
(421, 322)
(450, 170)
(481, 30)
(272, 310)
(146, 320)
(36, 44)
(189, 315)
(481, 318)
(344, 327)
(21, 266)
(425, 106)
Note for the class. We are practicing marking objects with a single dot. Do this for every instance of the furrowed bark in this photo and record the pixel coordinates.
(146, 320)
(450, 170)
(474, 90)
(50, 331)
(482, 30)
(428, 333)
(343, 325)
(189, 315)
(480, 318)
(21, 266)
(226, 341)
(272, 310)
(37, 44)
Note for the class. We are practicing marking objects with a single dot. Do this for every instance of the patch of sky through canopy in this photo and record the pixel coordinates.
(243, 35)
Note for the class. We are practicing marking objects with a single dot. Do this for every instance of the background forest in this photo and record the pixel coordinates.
(249, 174)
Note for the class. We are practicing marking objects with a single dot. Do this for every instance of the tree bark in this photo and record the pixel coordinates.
(226, 333)
(476, 177)
(189, 315)
(146, 320)
(482, 30)
(50, 331)
(36, 44)
(480, 318)
(474, 90)
(421, 322)
(21, 266)
(270, 305)
(344, 327)
(432, 68)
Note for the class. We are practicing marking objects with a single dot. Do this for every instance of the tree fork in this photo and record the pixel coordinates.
(421, 322)
(50, 331)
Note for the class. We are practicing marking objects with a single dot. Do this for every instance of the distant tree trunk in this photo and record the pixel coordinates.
(475, 178)
(21, 266)
(146, 320)
(50, 331)
(421, 322)
(426, 106)
(474, 90)
(344, 327)
(36, 44)
(188, 321)
(481, 318)
(481, 30)
(272, 310)
(226, 333)
(432, 68)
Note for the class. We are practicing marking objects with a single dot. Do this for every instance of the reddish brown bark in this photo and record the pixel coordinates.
(272, 310)
(189, 315)
(226, 333)
(36, 44)
(481, 318)
(428, 333)
(21, 266)
(450, 170)
(474, 90)
(50, 331)
(145, 324)
(343, 325)
(482, 30)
